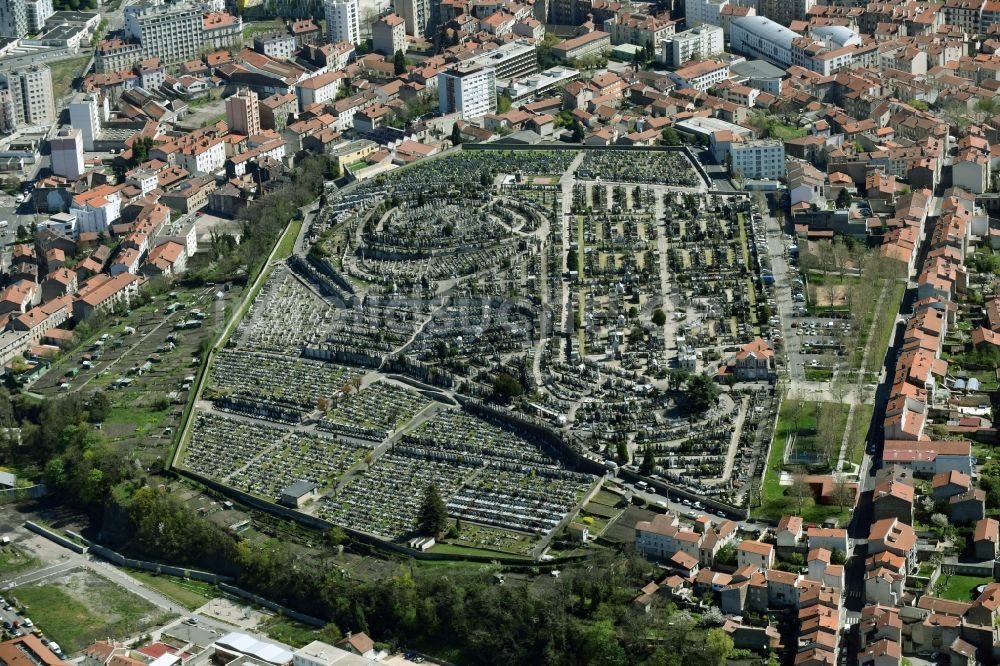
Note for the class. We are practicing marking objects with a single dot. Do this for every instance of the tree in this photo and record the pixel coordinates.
(399, 63)
(621, 449)
(503, 104)
(843, 199)
(718, 645)
(648, 465)
(433, 513)
(456, 134)
(506, 387)
(99, 406)
(577, 131)
(670, 137)
(702, 393)
(659, 317)
(838, 557)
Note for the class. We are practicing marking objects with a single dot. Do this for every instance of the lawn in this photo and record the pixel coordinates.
(775, 502)
(859, 432)
(960, 588)
(191, 594)
(785, 132)
(287, 242)
(819, 374)
(295, 633)
(885, 326)
(81, 607)
(13, 560)
(455, 549)
(64, 72)
(257, 27)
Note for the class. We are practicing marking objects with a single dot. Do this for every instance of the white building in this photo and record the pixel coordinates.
(343, 23)
(510, 60)
(319, 653)
(31, 94)
(172, 33)
(318, 89)
(67, 153)
(144, 179)
(469, 91)
(694, 44)
(206, 156)
(760, 37)
(700, 75)
(85, 113)
(275, 45)
(529, 87)
(763, 158)
(700, 12)
(13, 19)
(97, 209)
(38, 12)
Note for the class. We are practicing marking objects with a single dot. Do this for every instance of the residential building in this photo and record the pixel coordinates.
(986, 539)
(511, 60)
(758, 159)
(700, 75)
(38, 12)
(243, 112)
(342, 21)
(221, 30)
(785, 11)
(85, 113)
(172, 33)
(701, 12)
(277, 45)
(590, 44)
(13, 19)
(115, 55)
(698, 43)
(760, 37)
(639, 29)
(96, 209)
(416, 16)
(389, 34)
(67, 153)
(535, 85)
(755, 553)
(318, 89)
(467, 90)
(31, 94)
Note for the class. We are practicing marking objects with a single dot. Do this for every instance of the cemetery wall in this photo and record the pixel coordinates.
(362, 537)
(53, 536)
(18, 494)
(664, 488)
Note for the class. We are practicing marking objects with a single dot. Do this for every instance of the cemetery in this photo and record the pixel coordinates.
(585, 291)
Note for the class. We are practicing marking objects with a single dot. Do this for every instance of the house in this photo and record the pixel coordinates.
(824, 537)
(166, 259)
(754, 362)
(889, 535)
(359, 644)
(968, 507)
(893, 499)
(789, 531)
(948, 484)
(986, 538)
(755, 553)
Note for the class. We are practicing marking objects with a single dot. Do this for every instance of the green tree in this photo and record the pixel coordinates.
(702, 393)
(456, 134)
(99, 406)
(398, 63)
(577, 131)
(670, 137)
(506, 387)
(718, 645)
(659, 317)
(648, 465)
(433, 513)
(843, 199)
(503, 104)
(621, 448)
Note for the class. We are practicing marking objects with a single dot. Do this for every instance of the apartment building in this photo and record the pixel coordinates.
(763, 158)
(694, 44)
(703, 12)
(510, 60)
(639, 29)
(243, 112)
(416, 16)
(38, 12)
(67, 153)
(389, 34)
(342, 21)
(467, 90)
(592, 43)
(785, 11)
(31, 94)
(275, 45)
(114, 55)
(85, 113)
(700, 75)
(172, 33)
(13, 19)
(221, 30)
